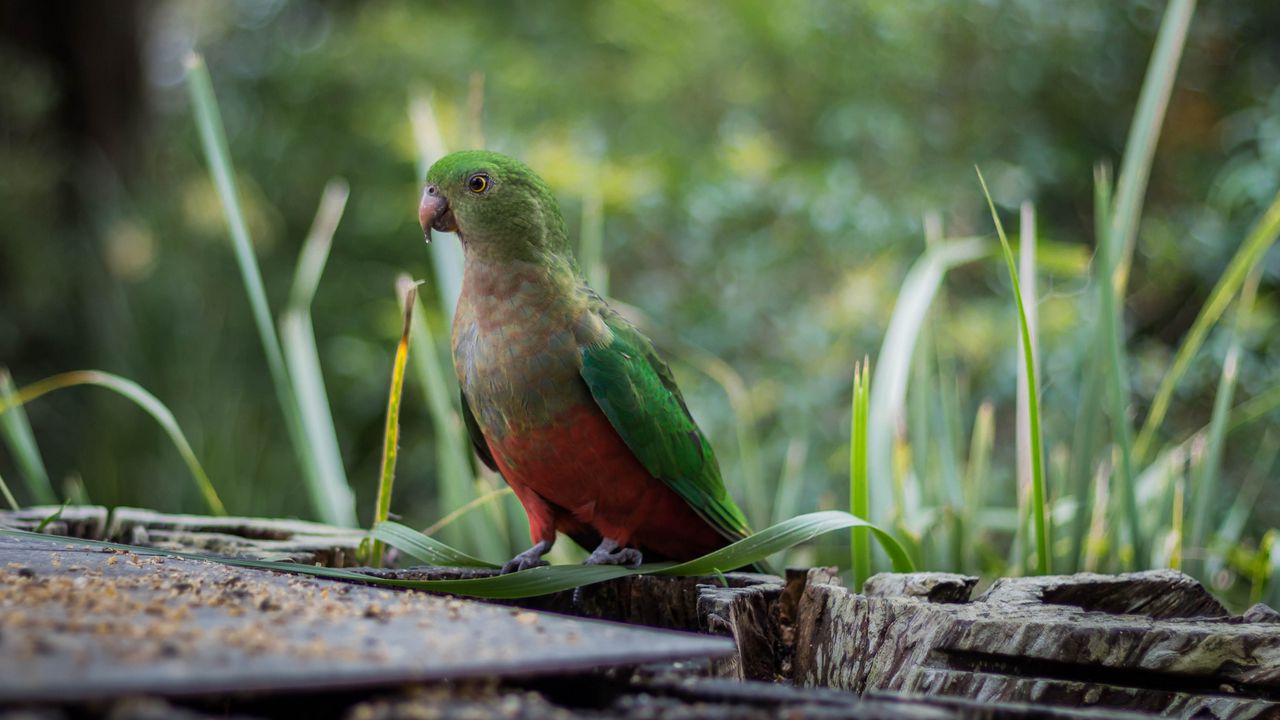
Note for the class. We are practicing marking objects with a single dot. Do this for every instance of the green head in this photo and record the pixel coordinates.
(497, 205)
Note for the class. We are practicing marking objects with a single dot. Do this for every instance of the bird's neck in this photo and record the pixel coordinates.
(498, 292)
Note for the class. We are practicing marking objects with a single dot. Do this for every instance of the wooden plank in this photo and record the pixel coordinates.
(79, 623)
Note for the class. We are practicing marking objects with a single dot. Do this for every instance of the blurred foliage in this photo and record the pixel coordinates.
(763, 167)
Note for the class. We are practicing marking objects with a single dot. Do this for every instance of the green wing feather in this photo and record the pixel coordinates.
(637, 392)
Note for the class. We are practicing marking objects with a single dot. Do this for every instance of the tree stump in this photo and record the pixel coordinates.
(1151, 641)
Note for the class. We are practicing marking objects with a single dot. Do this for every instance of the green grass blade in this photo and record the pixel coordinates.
(214, 141)
(445, 251)
(1081, 467)
(1233, 524)
(949, 421)
(455, 478)
(789, 533)
(22, 443)
(52, 517)
(1267, 573)
(140, 397)
(315, 249)
(1026, 379)
(9, 499)
(1116, 378)
(425, 548)
(889, 384)
(791, 482)
(1206, 475)
(529, 583)
(1039, 506)
(981, 447)
(541, 581)
(491, 497)
(330, 492)
(1250, 255)
(391, 432)
(1144, 131)
(1256, 407)
(859, 488)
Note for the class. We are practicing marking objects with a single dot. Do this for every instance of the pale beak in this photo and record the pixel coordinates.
(434, 212)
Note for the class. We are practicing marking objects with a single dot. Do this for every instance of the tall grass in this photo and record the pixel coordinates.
(1246, 260)
(313, 439)
(9, 499)
(391, 432)
(889, 383)
(18, 435)
(859, 486)
(138, 396)
(1207, 472)
(1038, 510)
(1027, 425)
(330, 491)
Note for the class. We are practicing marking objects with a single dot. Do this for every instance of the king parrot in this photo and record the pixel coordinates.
(561, 395)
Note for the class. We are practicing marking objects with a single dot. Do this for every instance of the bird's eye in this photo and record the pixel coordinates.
(478, 183)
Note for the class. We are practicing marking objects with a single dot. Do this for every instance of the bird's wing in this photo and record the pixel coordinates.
(477, 438)
(636, 391)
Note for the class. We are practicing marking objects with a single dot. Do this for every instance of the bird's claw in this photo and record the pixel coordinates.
(609, 553)
(528, 559)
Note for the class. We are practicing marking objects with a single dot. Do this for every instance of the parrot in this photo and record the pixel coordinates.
(560, 394)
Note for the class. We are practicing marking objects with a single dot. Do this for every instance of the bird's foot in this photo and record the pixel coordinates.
(530, 558)
(610, 553)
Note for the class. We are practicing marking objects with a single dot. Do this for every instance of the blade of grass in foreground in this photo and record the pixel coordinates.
(22, 442)
(329, 488)
(1039, 509)
(859, 488)
(391, 434)
(142, 399)
(755, 547)
(1249, 256)
(543, 580)
(214, 141)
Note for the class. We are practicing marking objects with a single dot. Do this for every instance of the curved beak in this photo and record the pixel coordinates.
(434, 212)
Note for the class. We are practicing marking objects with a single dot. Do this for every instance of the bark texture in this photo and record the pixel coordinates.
(1152, 641)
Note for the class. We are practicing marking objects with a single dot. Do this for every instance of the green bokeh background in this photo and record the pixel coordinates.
(764, 167)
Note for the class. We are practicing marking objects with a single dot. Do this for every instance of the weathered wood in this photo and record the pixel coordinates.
(596, 698)
(930, 586)
(78, 623)
(748, 615)
(257, 538)
(1154, 641)
(1158, 594)
(80, 521)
